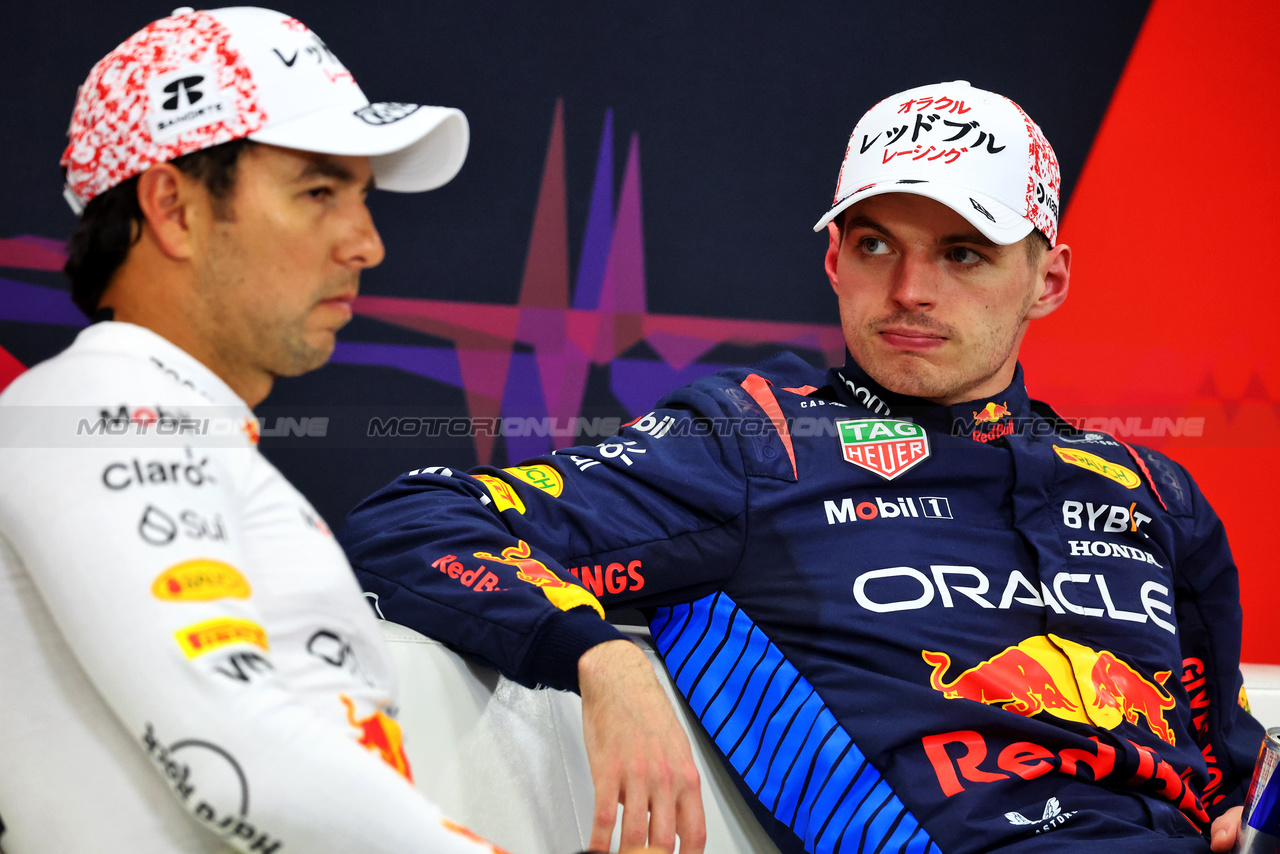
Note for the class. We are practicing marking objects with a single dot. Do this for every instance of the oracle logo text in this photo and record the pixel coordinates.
(905, 588)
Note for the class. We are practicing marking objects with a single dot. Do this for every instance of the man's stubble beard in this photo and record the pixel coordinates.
(261, 337)
(923, 381)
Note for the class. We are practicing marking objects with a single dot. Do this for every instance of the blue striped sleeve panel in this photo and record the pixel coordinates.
(778, 734)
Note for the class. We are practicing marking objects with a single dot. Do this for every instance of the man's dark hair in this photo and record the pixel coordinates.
(112, 222)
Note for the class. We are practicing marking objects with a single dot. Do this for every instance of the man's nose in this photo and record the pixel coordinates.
(915, 284)
(362, 246)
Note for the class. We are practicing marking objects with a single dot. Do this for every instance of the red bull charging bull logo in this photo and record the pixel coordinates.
(991, 413)
(380, 734)
(1047, 673)
(565, 595)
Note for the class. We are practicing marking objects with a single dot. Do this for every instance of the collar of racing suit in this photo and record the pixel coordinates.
(105, 334)
(986, 418)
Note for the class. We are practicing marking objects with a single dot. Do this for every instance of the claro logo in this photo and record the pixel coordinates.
(189, 472)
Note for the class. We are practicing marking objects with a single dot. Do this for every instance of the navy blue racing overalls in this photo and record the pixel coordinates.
(907, 627)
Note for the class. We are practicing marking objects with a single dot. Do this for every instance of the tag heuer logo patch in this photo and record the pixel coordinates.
(885, 447)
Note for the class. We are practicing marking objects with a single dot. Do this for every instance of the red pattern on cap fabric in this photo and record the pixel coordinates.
(1043, 166)
(848, 151)
(110, 137)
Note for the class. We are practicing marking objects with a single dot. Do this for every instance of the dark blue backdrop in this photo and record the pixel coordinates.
(742, 112)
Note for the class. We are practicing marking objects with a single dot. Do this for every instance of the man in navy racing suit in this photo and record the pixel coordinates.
(915, 610)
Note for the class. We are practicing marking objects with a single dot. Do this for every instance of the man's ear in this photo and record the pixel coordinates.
(169, 198)
(833, 254)
(1054, 275)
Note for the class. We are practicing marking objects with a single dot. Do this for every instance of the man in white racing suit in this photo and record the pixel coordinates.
(188, 664)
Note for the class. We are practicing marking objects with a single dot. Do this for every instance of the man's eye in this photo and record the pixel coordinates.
(874, 246)
(963, 255)
(320, 194)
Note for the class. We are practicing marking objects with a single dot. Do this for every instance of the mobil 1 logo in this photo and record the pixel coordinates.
(904, 507)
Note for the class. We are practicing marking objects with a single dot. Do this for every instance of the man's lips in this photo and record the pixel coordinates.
(341, 303)
(902, 338)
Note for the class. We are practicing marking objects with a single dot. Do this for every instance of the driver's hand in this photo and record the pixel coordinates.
(1222, 835)
(639, 755)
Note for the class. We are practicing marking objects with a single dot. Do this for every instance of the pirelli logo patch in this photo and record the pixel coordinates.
(504, 497)
(210, 635)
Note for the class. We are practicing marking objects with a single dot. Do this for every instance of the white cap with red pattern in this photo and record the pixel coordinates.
(199, 79)
(972, 150)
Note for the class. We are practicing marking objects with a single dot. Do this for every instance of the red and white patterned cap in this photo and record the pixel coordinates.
(199, 79)
(975, 151)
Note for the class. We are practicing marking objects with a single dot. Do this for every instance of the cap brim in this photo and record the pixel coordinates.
(422, 150)
(998, 223)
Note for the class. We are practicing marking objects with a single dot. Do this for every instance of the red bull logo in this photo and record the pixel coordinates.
(1119, 688)
(965, 757)
(381, 735)
(565, 595)
(991, 413)
(1023, 679)
(478, 579)
(1047, 673)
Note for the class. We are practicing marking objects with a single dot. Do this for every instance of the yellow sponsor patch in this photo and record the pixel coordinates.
(1126, 477)
(1243, 700)
(214, 634)
(504, 497)
(200, 580)
(544, 477)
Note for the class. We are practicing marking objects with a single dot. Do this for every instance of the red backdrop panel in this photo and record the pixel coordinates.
(1175, 287)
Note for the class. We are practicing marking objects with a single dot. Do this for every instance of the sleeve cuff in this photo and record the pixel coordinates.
(560, 642)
